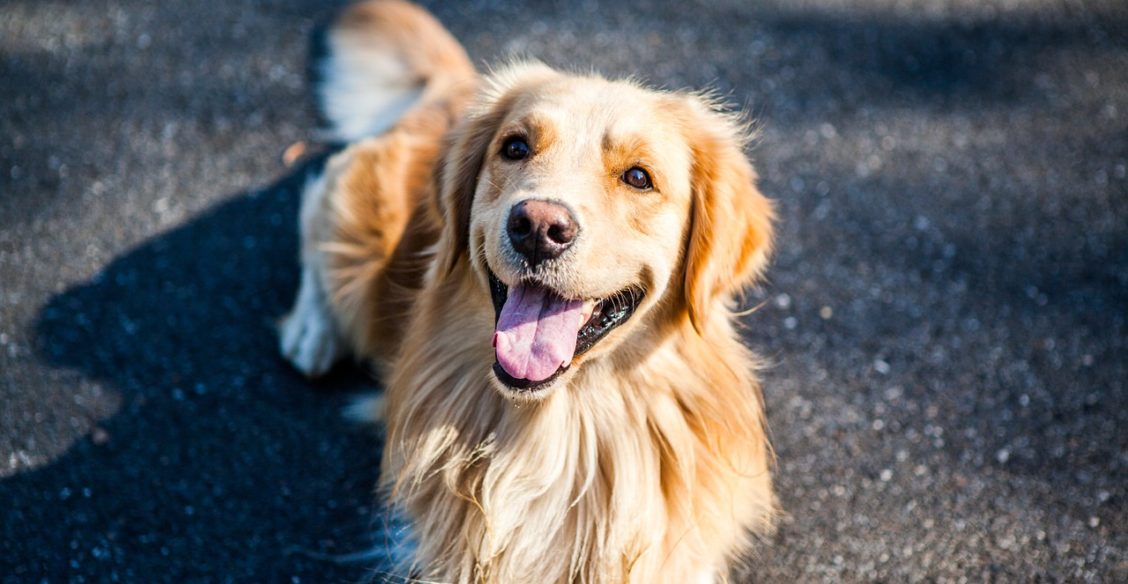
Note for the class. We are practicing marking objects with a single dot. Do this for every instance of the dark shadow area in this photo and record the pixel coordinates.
(904, 60)
(221, 461)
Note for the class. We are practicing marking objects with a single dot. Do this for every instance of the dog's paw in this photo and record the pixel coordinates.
(308, 336)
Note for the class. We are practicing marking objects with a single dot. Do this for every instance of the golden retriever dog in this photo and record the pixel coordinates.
(542, 267)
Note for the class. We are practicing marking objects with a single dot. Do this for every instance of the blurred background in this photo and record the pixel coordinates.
(945, 320)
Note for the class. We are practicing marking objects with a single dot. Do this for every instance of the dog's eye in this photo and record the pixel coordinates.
(637, 178)
(515, 148)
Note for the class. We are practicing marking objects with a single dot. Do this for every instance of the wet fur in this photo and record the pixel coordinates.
(650, 461)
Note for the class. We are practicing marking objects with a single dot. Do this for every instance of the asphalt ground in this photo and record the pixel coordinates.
(945, 320)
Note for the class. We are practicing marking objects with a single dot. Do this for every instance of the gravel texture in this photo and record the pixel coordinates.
(945, 320)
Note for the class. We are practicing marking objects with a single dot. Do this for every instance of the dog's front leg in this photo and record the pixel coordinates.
(309, 335)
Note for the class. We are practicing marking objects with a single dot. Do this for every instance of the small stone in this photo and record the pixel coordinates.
(881, 366)
(99, 436)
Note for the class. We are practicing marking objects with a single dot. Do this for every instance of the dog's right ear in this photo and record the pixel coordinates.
(465, 151)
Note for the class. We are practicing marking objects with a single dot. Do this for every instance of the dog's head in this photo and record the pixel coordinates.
(590, 208)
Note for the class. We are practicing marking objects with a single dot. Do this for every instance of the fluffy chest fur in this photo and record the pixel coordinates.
(625, 475)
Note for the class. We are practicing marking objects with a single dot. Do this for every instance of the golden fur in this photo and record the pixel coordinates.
(647, 460)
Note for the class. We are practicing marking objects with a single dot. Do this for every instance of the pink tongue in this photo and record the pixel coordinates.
(536, 332)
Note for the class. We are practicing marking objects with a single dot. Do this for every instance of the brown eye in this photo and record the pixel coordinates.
(515, 148)
(637, 178)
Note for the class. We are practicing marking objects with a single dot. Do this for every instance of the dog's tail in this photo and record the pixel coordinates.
(384, 57)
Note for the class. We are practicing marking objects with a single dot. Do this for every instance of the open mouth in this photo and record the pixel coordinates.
(538, 332)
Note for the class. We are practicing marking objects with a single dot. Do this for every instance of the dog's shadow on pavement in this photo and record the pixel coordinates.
(220, 461)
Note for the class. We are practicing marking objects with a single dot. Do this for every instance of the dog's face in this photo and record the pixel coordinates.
(583, 204)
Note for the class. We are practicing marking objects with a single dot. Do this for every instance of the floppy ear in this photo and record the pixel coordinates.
(730, 233)
(465, 151)
(456, 178)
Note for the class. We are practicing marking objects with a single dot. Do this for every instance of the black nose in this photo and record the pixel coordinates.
(541, 230)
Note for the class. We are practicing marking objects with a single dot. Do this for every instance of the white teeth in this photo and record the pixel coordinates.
(589, 307)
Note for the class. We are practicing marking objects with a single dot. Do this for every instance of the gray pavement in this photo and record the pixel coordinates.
(945, 321)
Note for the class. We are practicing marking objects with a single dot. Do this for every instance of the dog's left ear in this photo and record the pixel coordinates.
(730, 233)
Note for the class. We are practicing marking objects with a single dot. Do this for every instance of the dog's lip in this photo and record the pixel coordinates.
(525, 385)
(602, 315)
